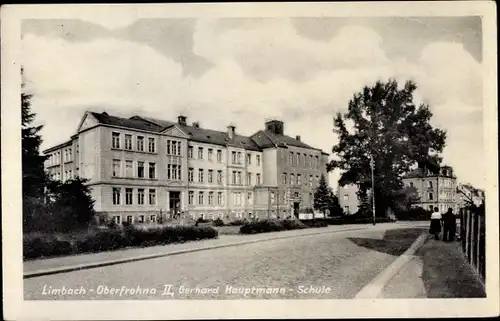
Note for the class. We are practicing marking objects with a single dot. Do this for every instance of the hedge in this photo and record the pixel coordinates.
(270, 225)
(112, 239)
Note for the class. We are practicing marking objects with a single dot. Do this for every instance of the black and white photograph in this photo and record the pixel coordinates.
(250, 160)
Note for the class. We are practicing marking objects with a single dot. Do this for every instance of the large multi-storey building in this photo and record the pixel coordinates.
(434, 189)
(142, 169)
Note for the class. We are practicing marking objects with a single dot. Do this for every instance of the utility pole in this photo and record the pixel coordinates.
(372, 165)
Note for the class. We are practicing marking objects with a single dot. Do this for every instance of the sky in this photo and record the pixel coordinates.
(244, 71)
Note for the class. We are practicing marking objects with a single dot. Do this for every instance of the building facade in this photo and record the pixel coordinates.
(466, 194)
(434, 189)
(142, 169)
(348, 198)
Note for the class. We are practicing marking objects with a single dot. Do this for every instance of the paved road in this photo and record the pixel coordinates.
(324, 266)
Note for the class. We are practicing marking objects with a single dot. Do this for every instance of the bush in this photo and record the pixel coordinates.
(45, 246)
(113, 239)
(218, 222)
(414, 214)
(269, 225)
(315, 223)
(237, 222)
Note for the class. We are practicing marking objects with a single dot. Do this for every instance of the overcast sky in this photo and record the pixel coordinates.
(244, 71)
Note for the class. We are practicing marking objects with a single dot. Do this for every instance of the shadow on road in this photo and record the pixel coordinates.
(395, 242)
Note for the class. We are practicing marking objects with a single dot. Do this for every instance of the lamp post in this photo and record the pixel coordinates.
(372, 165)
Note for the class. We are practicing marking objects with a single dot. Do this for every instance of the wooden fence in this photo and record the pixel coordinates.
(473, 239)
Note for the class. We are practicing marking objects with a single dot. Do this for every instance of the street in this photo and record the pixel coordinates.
(323, 266)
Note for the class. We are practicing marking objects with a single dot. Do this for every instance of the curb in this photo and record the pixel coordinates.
(373, 289)
(72, 268)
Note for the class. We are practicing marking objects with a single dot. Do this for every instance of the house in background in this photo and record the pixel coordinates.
(466, 194)
(141, 169)
(348, 198)
(434, 189)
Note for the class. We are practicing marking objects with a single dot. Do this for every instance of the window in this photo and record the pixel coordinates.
(116, 140)
(430, 208)
(234, 159)
(152, 196)
(152, 170)
(273, 197)
(239, 158)
(116, 168)
(346, 209)
(258, 160)
(190, 197)
(141, 218)
(200, 198)
(128, 196)
(292, 179)
(151, 145)
(239, 180)
(152, 218)
(140, 169)
(210, 154)
(220, 199)
(70, 154)
(249, 198)
(298, 160)
(200, 152)
(249, 159)
(429, 184)
(130, 219)
(174, 172)
(290, 159)
(258, 179)
(283, 179)
(411, 184)
(210, 198)
(191, 175)
(210, 176)
(116, 196)
(310, 180)
(317, 162)
(249, 178)
(140, 143)
(140, 196)
(219, 155)
(174, 148)
(234, 178)
(179, 148)
(346, 197)
(128, 141)
(190, 151)
(117, 219)
(201, 175)
(70, 174)
(129, 170)
(431, 196)
(219, 177)
(298, 179)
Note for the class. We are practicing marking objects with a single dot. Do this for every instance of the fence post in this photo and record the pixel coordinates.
(462, 230)
(478, 252)
(467, 234)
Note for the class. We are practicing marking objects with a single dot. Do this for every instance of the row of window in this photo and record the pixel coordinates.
(236, 178)
(128, 142)
(130, 219)
(303, 160)
(236, 157)
(201, 198)
(131, 194)
(297, 179)
(140, 171)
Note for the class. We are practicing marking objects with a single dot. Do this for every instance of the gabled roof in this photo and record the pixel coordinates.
(416, 173)
(134, 123)
(266, 139)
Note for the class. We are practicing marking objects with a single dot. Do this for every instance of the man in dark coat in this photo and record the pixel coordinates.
(450, 226)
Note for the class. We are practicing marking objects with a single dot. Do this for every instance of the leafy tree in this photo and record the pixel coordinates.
(405, 199)
(334, 205)
(322, 195)
(390, 128)
(72, 203)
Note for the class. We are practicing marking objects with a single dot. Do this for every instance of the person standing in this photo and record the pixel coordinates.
(435, 228)
(450, 226)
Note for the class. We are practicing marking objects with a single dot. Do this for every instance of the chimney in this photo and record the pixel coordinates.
(230, 131)
(297, 137)
(181, 120)
(196, 124)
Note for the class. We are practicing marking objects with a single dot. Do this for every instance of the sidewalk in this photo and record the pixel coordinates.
(436, 270)
(75, 262)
